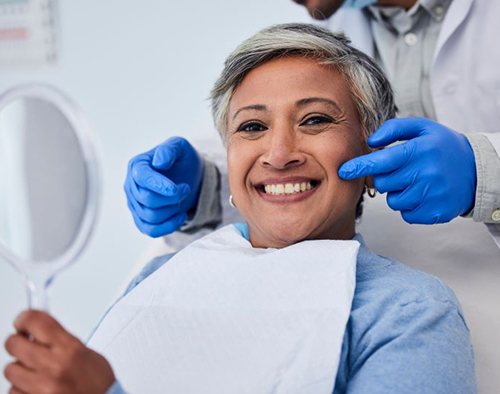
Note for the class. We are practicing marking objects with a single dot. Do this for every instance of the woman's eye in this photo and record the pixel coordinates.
(252, 127)
(317, 120)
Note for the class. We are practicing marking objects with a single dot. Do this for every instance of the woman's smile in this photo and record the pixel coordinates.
(287, 190)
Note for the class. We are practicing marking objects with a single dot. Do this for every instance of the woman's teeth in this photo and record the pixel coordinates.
(287, 188)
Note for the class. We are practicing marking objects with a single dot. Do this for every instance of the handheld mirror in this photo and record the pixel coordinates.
(48, 185)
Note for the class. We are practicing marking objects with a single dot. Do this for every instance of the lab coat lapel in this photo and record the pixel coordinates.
(456, 15)
(356, 26)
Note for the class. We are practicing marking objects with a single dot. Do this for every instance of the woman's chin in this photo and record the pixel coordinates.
(281, 235)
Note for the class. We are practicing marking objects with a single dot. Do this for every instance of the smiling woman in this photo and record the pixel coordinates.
(292, 121)
(291, 301)
(292, 105)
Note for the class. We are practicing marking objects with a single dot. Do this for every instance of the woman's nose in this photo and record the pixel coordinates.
(282, 149)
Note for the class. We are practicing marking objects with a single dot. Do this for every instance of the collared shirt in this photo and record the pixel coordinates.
(405, 42)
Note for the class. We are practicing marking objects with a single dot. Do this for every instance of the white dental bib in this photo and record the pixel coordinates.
(223, 317)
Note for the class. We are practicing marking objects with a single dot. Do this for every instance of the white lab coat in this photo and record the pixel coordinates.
(465, 76)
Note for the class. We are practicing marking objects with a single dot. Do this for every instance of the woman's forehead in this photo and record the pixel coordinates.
(290, 79)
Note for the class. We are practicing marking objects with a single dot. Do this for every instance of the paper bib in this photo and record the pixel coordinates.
(223, 317)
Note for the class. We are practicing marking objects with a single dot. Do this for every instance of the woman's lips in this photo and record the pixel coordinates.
(287, 190)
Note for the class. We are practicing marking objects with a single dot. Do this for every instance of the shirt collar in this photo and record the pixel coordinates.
(401, 20)
(358, 237)
(436, 8)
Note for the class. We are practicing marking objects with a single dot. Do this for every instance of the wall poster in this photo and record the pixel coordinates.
(27, 33)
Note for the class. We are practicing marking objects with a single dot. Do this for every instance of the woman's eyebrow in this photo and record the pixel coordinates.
(254, 107)
(309, 100)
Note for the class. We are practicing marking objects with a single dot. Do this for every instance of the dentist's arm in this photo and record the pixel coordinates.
(169, 185)
(430, 178)
(487, 206)
(49, 359)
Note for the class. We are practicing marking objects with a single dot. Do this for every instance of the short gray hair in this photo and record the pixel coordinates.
(371, 91)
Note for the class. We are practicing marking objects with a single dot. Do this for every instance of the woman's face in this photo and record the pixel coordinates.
(291, 124)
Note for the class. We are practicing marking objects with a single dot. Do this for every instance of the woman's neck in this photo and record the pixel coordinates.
(259, 239)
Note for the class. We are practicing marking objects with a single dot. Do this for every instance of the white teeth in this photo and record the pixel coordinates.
(287, 188)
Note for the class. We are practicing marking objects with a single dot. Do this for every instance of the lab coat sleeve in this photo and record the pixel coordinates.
(486, 151)
(419, 347)
(208, 212)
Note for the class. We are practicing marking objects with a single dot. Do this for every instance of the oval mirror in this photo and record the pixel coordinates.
(49, 187)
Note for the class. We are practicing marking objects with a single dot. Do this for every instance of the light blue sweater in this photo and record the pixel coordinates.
(406, 332)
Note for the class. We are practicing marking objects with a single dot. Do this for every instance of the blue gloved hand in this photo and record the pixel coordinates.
(162, 185)
(430, 178)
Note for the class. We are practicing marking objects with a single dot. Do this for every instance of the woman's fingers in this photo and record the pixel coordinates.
(21, 378)
(50, 359)
(30, 353)
(43, 328)
(15, 390)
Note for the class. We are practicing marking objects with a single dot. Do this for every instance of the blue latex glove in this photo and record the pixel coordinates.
(162, 185)
(430, 178)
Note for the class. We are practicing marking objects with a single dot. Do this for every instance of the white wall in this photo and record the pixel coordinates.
(141, 71)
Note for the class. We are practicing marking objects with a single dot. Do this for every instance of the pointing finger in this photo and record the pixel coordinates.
(379, 162)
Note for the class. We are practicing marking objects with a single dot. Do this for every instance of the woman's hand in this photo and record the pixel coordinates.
(48, 359)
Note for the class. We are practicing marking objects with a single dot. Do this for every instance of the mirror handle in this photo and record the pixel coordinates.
(36, 287)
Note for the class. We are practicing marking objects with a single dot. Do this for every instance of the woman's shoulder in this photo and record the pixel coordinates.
(404, 325)
(389, 280)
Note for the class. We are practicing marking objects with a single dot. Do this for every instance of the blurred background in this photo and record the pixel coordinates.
(141, 71)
